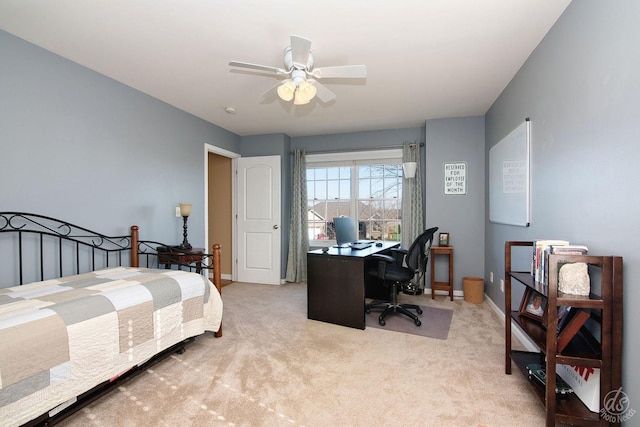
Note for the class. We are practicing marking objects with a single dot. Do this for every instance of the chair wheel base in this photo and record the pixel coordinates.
(393, 307)
(411, 290)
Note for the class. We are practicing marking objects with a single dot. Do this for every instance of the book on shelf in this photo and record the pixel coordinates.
(538, 262)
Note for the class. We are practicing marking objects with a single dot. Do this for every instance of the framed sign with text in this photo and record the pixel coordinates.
(455, 178)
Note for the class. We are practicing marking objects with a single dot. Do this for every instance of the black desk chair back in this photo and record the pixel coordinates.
(405, 268)
(417, 259)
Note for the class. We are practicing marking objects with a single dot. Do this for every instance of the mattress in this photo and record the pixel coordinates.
(60, 338)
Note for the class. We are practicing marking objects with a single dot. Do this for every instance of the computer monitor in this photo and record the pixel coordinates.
(345, 231)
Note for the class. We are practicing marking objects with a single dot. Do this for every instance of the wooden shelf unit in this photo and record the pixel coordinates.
(583, 349)
(444, 251)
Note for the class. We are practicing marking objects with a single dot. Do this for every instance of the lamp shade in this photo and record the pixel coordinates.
(286, 90)
(185, 209)
(409, 169)
(299, 99)
(306, 91)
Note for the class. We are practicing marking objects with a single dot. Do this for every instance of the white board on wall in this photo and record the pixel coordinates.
(509, 178)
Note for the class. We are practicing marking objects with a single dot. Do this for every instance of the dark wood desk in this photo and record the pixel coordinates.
(168, 256)
(337, 284)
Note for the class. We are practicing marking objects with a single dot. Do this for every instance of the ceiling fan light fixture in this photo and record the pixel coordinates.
(299, 99)
(306, 91)
(287, 90)
(299, 67)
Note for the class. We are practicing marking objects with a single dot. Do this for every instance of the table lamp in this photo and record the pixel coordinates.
(185, 211)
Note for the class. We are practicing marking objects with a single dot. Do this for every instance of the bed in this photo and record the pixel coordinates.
(89, 311)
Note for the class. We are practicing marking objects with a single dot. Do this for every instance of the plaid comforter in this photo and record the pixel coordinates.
(60, 338)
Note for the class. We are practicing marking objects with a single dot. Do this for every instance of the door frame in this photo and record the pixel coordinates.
(208, 148)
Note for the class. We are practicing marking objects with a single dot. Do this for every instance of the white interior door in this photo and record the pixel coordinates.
(258, 224)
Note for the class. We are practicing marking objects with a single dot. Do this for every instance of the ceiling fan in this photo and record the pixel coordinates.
(300, 84)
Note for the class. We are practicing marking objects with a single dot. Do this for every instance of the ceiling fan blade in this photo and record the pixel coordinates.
(300, 48)
(341, 72)
(323, 93)
(258, 67)
(269, 95)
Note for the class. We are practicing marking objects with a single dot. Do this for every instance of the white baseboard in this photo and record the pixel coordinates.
(222, 276)
(515, 329)
(456, 294)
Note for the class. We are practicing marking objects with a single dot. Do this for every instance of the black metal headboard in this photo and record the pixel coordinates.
(36, 247)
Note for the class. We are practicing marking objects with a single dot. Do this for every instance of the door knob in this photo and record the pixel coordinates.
(275, 227)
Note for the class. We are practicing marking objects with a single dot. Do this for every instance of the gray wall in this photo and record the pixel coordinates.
(462, 216)
(81, 147)
(581, 89)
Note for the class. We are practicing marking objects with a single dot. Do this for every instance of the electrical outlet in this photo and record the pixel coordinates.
(501, 285)
(177, 211)
(491, 277)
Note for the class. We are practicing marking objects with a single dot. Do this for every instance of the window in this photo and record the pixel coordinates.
(369, 190)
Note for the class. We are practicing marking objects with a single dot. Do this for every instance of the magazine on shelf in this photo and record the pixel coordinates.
(564, 314)
(569, 249)
(584, 381)
(560, 250)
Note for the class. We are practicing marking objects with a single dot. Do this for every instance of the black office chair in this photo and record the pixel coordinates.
(400, 269)
(425, 240)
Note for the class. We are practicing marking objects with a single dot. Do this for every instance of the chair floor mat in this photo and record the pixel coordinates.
(435, 322)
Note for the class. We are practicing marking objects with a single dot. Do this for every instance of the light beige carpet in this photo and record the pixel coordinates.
(274, 367)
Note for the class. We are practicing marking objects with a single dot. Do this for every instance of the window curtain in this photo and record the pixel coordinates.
(298, 238)
(412, 214)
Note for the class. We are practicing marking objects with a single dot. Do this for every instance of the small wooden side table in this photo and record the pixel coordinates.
(444, 286)
(168, 256)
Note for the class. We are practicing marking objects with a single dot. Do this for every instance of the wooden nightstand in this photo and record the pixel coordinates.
(169, 256)
(444, 286)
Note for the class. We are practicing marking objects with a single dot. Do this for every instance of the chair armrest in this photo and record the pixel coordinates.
(383, 257)
(381, 264)
(401, 250)
(399, 254)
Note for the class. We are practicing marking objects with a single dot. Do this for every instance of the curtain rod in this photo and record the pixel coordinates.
(344, 150)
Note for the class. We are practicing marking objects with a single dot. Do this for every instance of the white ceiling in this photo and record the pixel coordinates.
(425, 58)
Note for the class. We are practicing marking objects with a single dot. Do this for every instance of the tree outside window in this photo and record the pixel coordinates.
(370, 192)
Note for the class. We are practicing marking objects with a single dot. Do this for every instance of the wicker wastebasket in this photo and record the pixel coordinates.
(473, 288)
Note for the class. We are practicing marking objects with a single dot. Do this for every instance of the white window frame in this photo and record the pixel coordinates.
(348, 159)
